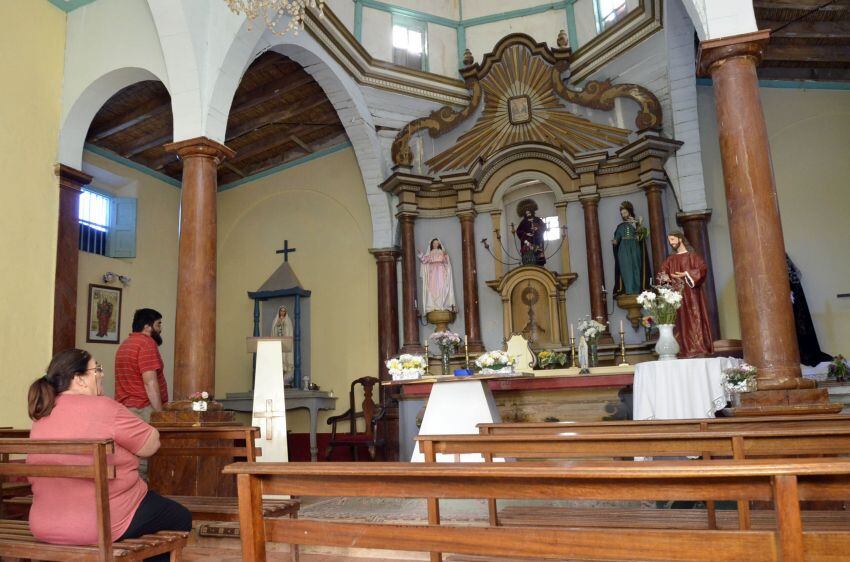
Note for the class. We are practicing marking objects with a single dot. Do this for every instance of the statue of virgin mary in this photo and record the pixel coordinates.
(282, 327)
(436, 273)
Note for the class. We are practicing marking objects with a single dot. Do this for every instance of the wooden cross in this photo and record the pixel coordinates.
(285, 251)
(269, 415)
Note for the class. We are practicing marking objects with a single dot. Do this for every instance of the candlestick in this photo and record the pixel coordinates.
(572, 334)
(623, 362)
(573, 349)
(466, 351)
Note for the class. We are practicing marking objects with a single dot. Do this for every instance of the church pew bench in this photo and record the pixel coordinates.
(17, 487)
(738, 445)
(662, 426)
(783, 481)
(16, 541)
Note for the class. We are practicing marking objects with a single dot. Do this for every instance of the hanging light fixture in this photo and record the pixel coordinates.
(275, 10)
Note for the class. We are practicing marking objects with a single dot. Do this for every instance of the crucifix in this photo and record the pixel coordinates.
(285, 251)
(269, 414)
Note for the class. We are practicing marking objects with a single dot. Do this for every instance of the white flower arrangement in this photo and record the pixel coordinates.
(446, 341)
(200, 400)
(590, 329)
(660, 305)
(740, 378)
(497, 361)
(406, 367)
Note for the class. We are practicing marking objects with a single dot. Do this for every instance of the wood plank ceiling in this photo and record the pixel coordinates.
(810, 39)
(279, 114)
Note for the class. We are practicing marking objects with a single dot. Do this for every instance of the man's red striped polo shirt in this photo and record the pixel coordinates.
(138, 354)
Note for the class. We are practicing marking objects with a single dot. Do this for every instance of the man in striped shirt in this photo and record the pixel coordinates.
(139, 379)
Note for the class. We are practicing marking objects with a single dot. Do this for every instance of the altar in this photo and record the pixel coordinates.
(680, 389)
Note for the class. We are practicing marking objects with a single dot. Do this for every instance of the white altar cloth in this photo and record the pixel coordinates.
(680, 389)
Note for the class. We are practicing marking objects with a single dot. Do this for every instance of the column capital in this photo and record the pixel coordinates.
(71, 178)
(653, 186)
(386, 254)
(683, 217)
(589, 200)
(467, 215)
(714, 52)
(202, 147)
(407, 215)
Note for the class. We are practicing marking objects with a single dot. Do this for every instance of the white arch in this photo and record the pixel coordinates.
(72, 134)
(340, 88)
(720, 18)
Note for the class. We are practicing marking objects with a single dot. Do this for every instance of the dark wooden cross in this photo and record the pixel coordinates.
(286, 250)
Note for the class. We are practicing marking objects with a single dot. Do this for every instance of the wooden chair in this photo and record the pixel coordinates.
(371, 414)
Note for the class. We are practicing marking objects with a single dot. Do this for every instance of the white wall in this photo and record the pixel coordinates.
(543, 27)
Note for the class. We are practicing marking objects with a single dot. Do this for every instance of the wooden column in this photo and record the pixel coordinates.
(471, 312)
(758, 248)
(595, 271)
(195, 322)
(385, 259)
(71, 183)
(657, 227)
(695, 226)
(408, 285)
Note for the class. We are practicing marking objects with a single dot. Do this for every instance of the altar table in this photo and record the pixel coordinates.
(680, 389)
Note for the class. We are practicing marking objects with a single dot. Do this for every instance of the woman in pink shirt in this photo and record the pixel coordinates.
(68, 403)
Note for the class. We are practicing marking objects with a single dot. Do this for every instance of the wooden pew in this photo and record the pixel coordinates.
(665, 426)
(738, 445)
(783, 481)
(17, 541)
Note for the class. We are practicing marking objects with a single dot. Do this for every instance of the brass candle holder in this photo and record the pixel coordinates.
(623, 361)
(574, 361)
(466, 352)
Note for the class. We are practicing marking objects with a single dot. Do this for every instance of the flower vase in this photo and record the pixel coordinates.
(593, 353)
(667, 347)
(445, 358)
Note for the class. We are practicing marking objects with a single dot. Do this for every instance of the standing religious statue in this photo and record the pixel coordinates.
(631, 261)
(436, 272)
(282, 327)
(687, 270)
(104, 315)
(530, 233)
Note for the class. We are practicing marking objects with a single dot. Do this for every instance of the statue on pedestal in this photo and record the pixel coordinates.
(631, 270)
(437, 285)
(530, 233)
(282, 327)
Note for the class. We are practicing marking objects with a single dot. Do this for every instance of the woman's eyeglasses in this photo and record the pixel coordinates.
(98, 370)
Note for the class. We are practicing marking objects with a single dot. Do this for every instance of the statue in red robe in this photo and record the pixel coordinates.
(688, 270)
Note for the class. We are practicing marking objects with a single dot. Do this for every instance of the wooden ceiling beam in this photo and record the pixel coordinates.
(333, 140)
(806, 53)
(809, 29)
(280, 140)
(157, 138)
(801, 5)
(233, 169)
(266, 92)
(801, 73)
(290, 112)
(307, 148)
(147, 110)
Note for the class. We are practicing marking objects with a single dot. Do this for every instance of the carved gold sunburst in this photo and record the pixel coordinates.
(521, 106)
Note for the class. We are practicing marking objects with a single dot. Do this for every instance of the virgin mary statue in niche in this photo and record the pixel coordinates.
(436, 273)
(282, 327)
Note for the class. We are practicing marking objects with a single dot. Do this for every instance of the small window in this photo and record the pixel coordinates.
(553, 228)
(409, 44)
(609, 12)
(94, 222)
(107, 225)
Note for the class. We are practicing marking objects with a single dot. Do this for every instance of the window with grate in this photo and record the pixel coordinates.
(410, 43)
(553, 228)
(609, 12)
(94, 222)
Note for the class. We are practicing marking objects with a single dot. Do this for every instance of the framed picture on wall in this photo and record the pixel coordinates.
(104, 314)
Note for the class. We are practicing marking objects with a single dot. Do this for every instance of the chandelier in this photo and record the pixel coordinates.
(275, 10)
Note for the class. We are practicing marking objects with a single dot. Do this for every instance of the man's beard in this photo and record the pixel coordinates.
(157, 337)
(675, 246)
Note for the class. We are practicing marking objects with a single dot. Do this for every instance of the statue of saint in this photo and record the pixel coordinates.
(631, 261)
(282, 327)
(436, 272)
(687, 270)
(530, 233)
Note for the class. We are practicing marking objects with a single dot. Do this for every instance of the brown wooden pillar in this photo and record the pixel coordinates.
(758, 248)
(657, 227)
(471, 312)
(195, 322)
(595, 271)
(385, 259)
(408, 285)
(71, 183)
(695, 226)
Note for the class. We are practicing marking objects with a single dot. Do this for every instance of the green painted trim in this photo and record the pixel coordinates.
(406, 12)
(280, 168)
(572, 32)
(358, 20)
(513, 14)
(118, 159)
(461, 45)
(69, 5)
(790, 84)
